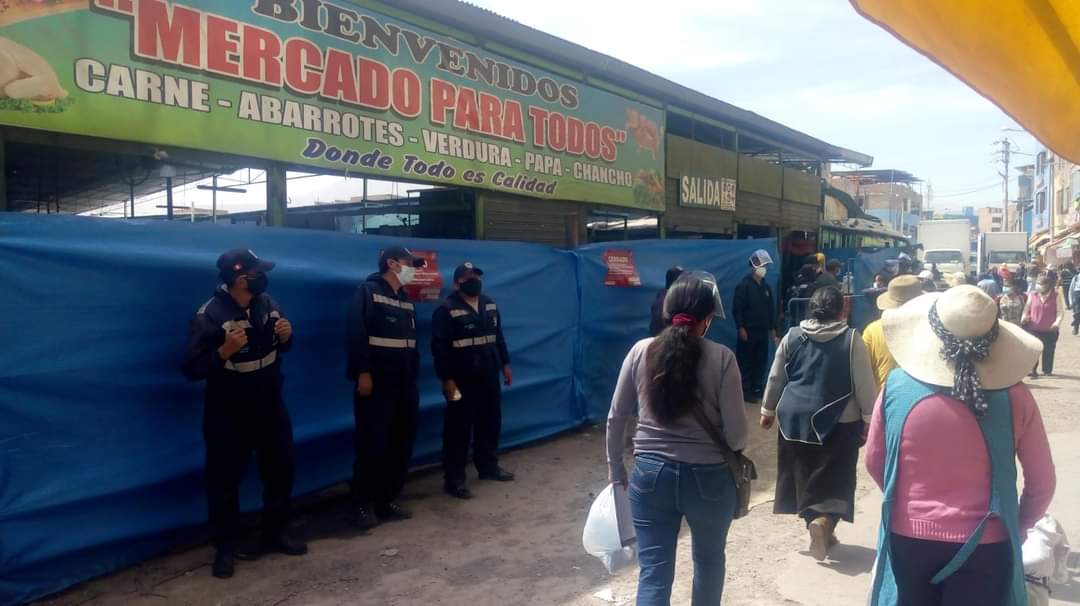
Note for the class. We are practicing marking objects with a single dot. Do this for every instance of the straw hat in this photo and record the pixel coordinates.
(901, 290)
(967, 312)
(956, 279)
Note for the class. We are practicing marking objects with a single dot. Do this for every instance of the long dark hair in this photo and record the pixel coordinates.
(673, 358)
(827, 304)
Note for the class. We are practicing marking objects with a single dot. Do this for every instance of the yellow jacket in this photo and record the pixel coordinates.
(880, 358)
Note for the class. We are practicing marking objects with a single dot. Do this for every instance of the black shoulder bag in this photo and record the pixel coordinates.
(741, 466)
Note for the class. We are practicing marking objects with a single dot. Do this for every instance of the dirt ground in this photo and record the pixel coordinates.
(520, 543)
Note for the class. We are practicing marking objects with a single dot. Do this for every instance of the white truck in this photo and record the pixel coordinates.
(1008, 248)
(946, 243)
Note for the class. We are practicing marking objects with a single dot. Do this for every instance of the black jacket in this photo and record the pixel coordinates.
(656, 315)
(381, 332)
(254, 369)
(466, 343)
(754, 307)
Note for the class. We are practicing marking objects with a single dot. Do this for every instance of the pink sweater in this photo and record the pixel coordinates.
(943, 479)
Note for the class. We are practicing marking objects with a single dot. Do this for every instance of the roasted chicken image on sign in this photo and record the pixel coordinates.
(24, 74)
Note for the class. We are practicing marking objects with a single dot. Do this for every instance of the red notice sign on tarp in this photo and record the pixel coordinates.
(621, 271)
(427, 284)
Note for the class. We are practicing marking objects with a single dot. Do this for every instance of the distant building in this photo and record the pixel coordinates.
(889, 195)
(990, 219)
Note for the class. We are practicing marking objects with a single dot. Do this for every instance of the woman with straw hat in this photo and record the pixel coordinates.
(901, 290)
(820, 391)
(946, 433)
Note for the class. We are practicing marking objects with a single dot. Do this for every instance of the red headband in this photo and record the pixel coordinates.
(683, 320)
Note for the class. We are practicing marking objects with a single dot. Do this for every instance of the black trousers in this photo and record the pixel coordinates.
(384, 437)
(233, 432)
(1049, 340)
(982, 581)
(476, 418)
(753, 358)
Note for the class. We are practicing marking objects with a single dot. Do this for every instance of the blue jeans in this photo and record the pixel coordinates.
(662, 492)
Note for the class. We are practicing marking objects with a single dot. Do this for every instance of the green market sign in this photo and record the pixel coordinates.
(326, 85)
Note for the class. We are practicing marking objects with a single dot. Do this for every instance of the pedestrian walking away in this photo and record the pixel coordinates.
(821, 394)
(656, 315)
(756, 320)
(901, 290)
(679, 471)
(382, 366)
(947, 431)
(471, 360)
(235, 345)
(1042, 318)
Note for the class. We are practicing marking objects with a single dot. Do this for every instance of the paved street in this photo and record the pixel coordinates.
(521, 543)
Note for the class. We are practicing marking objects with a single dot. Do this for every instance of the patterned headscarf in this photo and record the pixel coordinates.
(963, 354)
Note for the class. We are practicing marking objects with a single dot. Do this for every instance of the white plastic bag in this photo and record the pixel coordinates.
(601, 537)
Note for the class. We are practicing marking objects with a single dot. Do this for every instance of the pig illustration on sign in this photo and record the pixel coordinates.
(24, 74)
(646, 132)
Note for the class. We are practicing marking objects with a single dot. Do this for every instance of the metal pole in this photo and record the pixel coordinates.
(168, 199)
(1005, 217)
(213, 208)
(363, 203)
(131, 190)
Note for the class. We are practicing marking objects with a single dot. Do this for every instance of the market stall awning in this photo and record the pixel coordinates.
(1024, 55)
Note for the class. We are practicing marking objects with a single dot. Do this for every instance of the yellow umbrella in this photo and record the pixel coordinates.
(1024, 55)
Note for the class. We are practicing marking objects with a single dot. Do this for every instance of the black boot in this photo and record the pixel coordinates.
(363, 518)
(224, 564)
(498, 475)
(281, 542)
(392, 512)
(457, 490)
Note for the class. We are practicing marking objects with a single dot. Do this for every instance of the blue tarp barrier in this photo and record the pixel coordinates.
(101, 462)
(612, 319)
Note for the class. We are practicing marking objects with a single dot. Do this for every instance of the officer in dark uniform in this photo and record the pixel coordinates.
(382, 365)
(756, 320)
(470, 354)
(235, 345)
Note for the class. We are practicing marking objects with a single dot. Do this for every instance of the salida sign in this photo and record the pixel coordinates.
(707, 192)
(328, 85)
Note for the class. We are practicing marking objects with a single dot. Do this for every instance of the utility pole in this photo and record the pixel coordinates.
(1006, 146)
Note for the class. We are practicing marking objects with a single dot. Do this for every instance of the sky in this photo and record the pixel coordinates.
(816, 66)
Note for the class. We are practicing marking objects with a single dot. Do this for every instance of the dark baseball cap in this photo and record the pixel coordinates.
(399, 253)
(465, 268)
(242, 260)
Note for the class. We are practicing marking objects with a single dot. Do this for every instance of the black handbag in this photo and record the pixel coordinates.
(741, 466)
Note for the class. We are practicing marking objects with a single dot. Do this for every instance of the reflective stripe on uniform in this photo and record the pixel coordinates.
(490, 307)
(236, 324)
(392, 343)
(253, 365)
(392, 302)
(462, 343)
(457, 313)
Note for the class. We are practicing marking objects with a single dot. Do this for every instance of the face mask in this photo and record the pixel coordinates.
(1043, 289)
(257, 286)
(1007, 290)
(760, 271)
(406, 275)
(472, 287)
